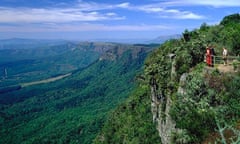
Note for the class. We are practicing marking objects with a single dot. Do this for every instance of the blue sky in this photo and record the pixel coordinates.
(105, 19)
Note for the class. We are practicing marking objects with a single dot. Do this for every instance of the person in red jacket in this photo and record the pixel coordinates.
(208, 57)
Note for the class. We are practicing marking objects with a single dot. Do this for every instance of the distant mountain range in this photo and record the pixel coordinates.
(162, 39)
(28, 43)
(10, 43)
(158, 40)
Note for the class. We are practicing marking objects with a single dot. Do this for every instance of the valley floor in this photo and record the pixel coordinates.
(46, 80)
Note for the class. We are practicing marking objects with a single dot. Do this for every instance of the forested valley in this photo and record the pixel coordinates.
(72, 109)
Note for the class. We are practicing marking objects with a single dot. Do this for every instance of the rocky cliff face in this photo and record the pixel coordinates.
(160, 109)
(160, 106)
(121, 49)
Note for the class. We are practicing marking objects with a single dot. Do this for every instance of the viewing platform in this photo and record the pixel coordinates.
(232, 65)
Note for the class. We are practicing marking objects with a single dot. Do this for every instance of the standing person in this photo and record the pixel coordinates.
(212, 52)
(208, 56)
(225, 53)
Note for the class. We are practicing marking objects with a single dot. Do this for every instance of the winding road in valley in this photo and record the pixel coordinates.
(45, 81)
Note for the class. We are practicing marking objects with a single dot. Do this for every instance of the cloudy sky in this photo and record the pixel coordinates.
(108, 19)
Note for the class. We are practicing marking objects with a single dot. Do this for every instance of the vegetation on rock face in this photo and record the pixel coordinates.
(210, 100)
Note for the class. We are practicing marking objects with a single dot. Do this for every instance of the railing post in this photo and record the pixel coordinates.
(214, 61)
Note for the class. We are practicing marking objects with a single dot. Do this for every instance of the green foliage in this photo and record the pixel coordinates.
(231, 19)
(206, 96)
(158, 65)
(204, 27)
(233, 97)
(207, 100)
(131, 122)
(191, 110)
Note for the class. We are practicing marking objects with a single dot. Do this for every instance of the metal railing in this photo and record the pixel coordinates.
(219, 59)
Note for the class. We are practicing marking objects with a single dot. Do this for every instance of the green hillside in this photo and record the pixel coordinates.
(28, 63)
(32, 64)
(71, 110)
(202, 107)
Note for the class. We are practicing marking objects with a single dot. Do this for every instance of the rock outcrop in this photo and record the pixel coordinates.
(161, 104)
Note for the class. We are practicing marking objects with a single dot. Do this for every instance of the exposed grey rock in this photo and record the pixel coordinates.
(182, 83)
(161, 112)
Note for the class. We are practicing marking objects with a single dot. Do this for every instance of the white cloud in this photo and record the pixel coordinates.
(73, 18)
(217, 3)
(53, 27)
(111, 14)
(168, 13)
(30, 15)
(156, 8)
(214, 3)
(188, 15)
(173, 13)
(92, 6)
(123, 5)
(150, 9)
(86, 12)
(82, 11)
